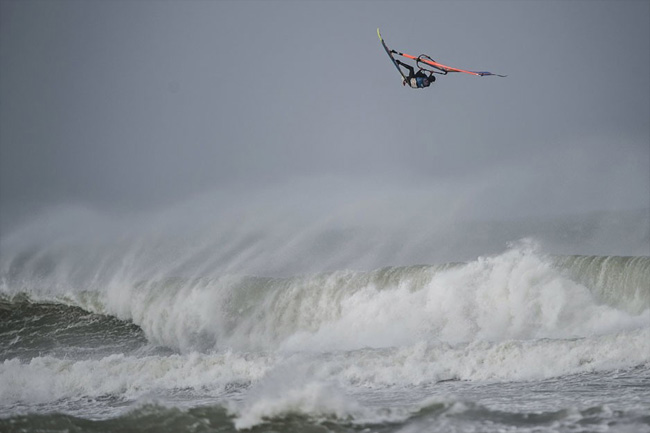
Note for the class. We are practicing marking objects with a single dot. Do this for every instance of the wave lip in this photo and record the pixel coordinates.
(617, 281)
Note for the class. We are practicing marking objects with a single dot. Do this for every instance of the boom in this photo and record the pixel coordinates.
(443, 68)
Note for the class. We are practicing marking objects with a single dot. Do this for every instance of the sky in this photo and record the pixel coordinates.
(141, 106)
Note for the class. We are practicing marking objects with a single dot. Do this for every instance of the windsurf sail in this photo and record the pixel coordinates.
(426, 63)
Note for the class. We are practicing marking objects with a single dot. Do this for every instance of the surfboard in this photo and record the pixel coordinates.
(390, 54)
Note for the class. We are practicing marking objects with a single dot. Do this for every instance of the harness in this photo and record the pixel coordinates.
(417, 82)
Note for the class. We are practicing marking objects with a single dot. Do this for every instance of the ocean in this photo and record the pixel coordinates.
(518, 340)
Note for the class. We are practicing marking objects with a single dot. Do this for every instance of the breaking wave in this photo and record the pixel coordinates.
(518, 295)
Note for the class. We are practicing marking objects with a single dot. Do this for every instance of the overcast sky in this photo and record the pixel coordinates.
(143, 104)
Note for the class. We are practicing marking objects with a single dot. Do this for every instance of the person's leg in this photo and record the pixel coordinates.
(407, 66)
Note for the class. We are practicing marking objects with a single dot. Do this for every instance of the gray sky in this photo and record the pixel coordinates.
(139, 105)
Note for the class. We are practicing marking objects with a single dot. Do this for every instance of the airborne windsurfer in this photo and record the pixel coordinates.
(424, 63)
(417, 80)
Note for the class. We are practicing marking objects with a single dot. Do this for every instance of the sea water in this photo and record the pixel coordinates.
(520, 340)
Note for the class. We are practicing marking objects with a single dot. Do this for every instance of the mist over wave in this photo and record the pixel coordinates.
(306, 227)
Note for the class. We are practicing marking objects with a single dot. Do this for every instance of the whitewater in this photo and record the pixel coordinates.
(106, 333)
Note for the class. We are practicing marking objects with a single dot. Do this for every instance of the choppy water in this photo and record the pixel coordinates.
(516, 341)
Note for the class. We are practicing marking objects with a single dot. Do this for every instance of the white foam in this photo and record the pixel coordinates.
(513, 360)
(517, 295)
(317, 385)
(316, 399)
(47, 379)
(308, 386)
